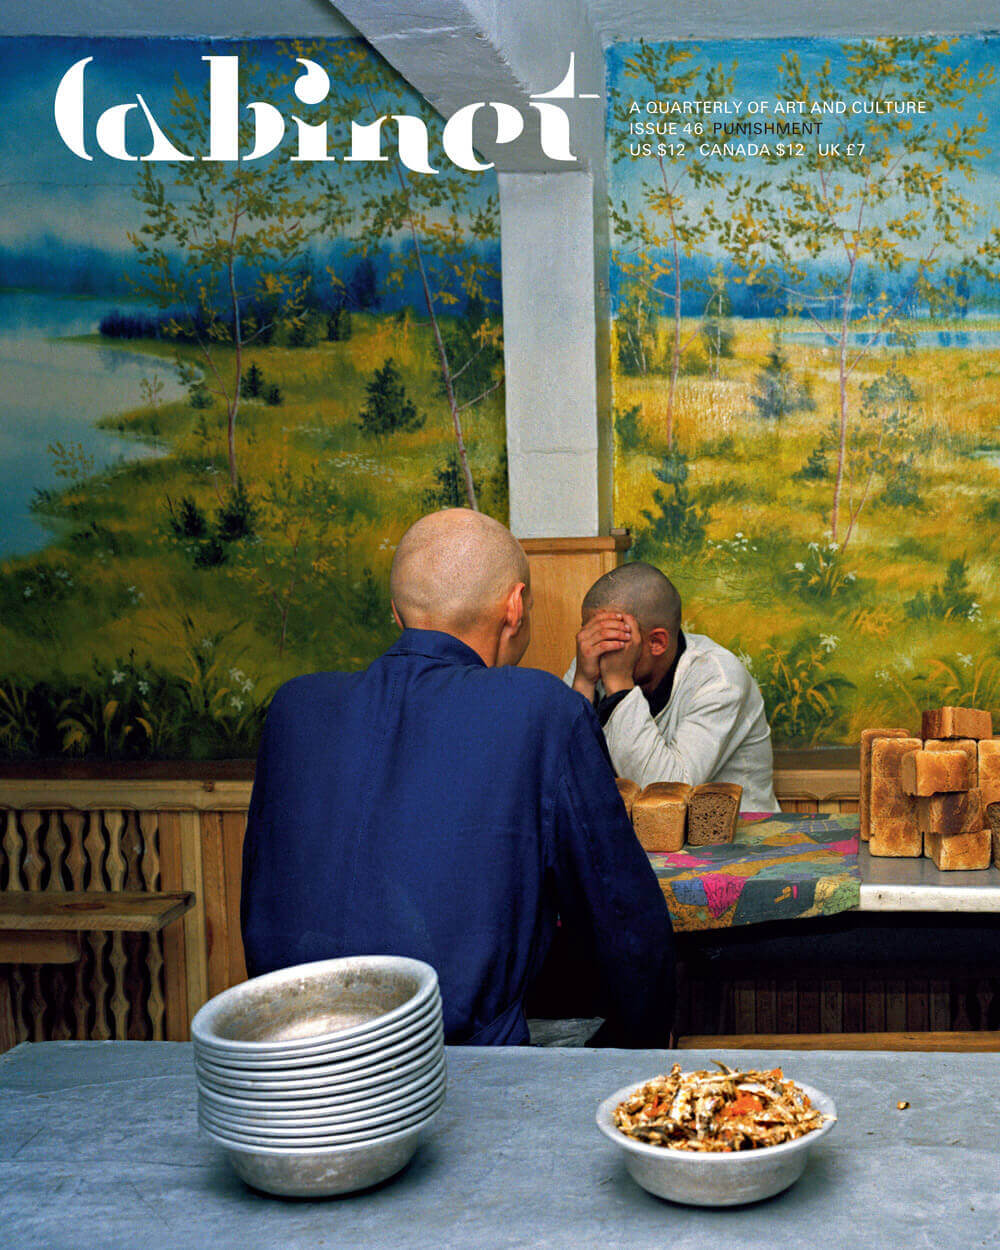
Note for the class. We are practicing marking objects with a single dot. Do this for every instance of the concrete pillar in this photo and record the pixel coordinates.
(557, 458)
(554, 234)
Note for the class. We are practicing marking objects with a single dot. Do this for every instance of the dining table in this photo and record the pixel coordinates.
(100, 1147)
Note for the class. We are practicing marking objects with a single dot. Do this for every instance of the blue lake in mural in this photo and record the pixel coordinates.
(53, 391)
(980, 339)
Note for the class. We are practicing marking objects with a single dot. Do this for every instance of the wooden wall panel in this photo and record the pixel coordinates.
(847, 1003)
(176, 1019)
(234, 826)
(222, 858)
(562, 571)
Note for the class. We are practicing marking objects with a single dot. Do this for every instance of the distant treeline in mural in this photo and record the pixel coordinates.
(310, 357)
(807, 369)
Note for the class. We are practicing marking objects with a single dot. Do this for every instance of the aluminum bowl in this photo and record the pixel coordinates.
(297, 1173)
(340, 1053)
(310, 1006)
(364, 1081)
(321, 1077)
(347, 1128)
(714, 1180)
(240, 1137)
(354, 1095)
(333, 1114)
(330, 1109)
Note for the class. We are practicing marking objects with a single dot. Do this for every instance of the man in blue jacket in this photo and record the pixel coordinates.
(446, 805)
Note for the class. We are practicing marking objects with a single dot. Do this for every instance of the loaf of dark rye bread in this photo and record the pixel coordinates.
(713, 810)
(659, 816)
(993, 820)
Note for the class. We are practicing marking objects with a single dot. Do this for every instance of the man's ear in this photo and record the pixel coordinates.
(395, 615)
(516, 608)
(659, 640)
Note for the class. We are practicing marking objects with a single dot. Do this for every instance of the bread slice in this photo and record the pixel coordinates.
(969, 745)
(659, 816)
(713, 811)
(628, 790)
(933, 772)
(868, 736)
(993, 820)
(957, 722)
(894, 827)
(961, 852)
(959, 812)
(989, 770)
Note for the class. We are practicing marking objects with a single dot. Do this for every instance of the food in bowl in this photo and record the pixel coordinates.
(716, 1112)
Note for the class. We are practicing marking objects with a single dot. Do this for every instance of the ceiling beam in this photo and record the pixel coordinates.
(459, 52)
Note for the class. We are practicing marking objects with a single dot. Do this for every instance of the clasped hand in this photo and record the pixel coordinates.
(607, 647)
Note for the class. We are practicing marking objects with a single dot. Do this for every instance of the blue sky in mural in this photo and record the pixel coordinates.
(54, 202)
(755, 68)
(49, 192)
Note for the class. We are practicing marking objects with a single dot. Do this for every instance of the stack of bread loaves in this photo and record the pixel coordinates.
(936, 795)
(668, 813)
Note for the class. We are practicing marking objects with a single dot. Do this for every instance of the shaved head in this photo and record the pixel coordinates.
(641, 590)
(453, 568)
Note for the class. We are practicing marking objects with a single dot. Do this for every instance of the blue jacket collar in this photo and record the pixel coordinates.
(436, 646)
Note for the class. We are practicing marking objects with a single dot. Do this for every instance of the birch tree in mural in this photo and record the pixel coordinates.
(863, 235)
(427, 219)
(674, 222)
(218, 248)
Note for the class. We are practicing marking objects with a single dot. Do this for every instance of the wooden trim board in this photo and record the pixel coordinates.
(91, 911)
(27, 946)
(133, 795)
(980, 1041)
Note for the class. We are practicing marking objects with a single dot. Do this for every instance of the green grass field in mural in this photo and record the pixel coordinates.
(806, 361)
(230, 383)
(165, 610)
(905, 611)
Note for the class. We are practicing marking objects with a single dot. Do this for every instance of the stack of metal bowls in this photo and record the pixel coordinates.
(321, 1079)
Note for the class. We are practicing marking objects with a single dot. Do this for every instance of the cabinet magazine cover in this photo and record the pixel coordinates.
(249, 332)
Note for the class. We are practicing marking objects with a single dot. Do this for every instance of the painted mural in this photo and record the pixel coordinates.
(228, 385)
(806, 364)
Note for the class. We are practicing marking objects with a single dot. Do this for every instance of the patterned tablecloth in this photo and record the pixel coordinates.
(777, 868)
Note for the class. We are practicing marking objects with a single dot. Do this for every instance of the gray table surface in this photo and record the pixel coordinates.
(99, 1147)
(916, 885)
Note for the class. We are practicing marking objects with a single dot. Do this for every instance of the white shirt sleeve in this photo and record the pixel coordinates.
(640, 751)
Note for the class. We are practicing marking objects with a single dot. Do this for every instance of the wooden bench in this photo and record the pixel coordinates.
(45, 929)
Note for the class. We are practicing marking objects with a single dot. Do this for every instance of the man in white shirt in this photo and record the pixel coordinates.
(674, 706)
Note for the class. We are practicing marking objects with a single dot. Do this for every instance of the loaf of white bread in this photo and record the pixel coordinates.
(628, 790)
(868, 738)
(659, 816)
(989, 789)
(667, 813)
(937, 795)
